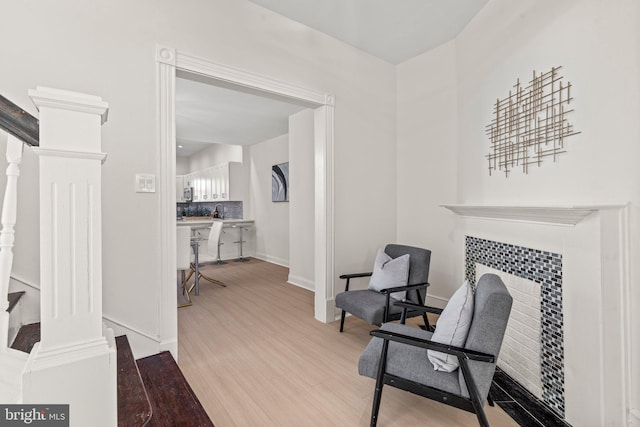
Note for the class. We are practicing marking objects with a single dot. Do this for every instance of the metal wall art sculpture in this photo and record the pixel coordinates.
(530, 124)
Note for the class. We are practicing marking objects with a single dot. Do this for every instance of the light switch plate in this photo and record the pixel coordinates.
(145, 183)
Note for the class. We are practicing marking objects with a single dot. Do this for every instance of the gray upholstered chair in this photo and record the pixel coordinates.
(375, 307)
(405, 364)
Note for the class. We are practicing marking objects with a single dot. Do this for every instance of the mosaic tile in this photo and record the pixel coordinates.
(542, 267)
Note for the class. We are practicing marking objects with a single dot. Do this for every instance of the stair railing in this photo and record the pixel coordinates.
(22, 128)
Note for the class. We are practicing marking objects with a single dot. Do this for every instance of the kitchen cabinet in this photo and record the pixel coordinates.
(190, 181)
(216, 180)
(197, 181)
(221, 177)
(205, 185)
(218, 183)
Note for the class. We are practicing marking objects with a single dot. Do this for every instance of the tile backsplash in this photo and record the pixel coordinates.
(227, 210)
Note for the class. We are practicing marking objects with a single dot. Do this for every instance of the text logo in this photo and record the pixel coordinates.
(34, 415)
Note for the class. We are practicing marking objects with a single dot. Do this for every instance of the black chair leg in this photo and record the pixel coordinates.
(342, 320)
(377, 396)
(427, 325)
(489, 399)
(473, 393)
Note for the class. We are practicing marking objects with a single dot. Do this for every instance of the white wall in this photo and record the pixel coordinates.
(74, 45)
(427, 163)
(597, 45)
(182, 166)
(215, 155)
(301, 201)
(270, 236)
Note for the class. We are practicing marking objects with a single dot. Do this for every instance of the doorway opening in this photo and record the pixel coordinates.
(171, 64)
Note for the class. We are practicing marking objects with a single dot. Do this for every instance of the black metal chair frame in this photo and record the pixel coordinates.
(472, 404)
(387, 292)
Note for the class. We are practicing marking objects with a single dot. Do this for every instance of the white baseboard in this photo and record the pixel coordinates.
(339, 313)
(273, 260)
(301, 282)
(171, 346)
(435, 301)
(142, 343)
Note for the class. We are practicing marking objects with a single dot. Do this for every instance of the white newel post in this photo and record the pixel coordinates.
(74, 362)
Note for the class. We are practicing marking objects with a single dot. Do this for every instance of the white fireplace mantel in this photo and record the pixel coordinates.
(566, 215)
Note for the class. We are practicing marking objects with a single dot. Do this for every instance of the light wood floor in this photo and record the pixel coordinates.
(255, 356)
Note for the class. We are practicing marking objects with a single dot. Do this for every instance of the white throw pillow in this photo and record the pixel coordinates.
(390, 273)
(452, 328)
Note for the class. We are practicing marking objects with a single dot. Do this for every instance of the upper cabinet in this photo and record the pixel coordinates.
(222, 182)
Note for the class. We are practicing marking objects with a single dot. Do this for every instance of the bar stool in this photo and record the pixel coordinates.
(219, 260)
(212, 243)
(183, 260)
(240, 227)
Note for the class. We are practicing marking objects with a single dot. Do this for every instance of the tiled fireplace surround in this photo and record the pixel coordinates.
(544, 268)
(578, 256)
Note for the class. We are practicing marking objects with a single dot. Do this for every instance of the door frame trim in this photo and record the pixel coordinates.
(169, 61)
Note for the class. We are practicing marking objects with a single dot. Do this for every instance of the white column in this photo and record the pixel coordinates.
(324, 296)
(74, 362)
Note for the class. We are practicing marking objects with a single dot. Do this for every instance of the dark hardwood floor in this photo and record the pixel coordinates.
(173, 401)
(134, 408)
(27, 336)
(151, 391)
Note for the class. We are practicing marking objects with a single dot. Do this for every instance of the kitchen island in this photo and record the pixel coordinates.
(230, 248)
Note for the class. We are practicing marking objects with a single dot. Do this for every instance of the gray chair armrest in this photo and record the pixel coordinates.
(354, 275)
(423, 308)
(348, 277)
(404, 288)
(431, 345)
(388, 291)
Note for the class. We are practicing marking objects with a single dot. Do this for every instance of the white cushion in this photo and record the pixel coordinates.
(390, 273)
(452, 328)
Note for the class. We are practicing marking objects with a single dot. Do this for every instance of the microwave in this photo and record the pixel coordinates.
(188, 194)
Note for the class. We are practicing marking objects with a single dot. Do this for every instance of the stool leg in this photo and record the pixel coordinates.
(185, 291)
(241, 258)
(219, 259)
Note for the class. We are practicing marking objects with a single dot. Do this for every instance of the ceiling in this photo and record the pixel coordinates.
(207, 114)
(393, 31)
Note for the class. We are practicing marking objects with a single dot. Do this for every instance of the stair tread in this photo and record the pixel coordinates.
(27, 336)
(13, 298)
(134, 408)
(173, 401)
